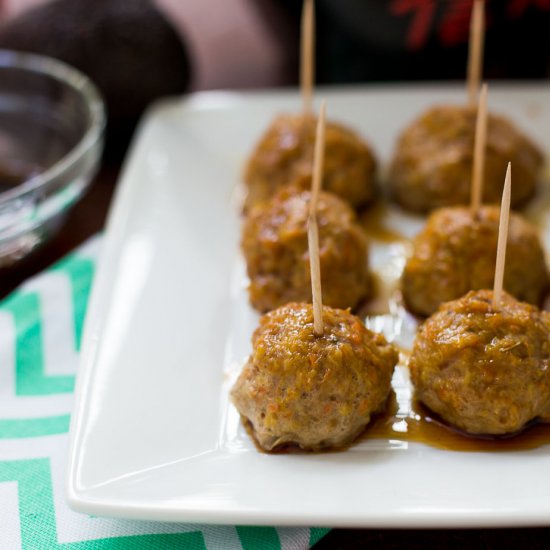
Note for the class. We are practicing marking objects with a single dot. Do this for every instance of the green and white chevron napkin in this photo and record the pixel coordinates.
(40, 332)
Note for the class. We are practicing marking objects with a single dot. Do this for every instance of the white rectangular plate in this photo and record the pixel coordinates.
(153, 435)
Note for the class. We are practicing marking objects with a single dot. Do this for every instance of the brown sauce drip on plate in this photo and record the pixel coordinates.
(422, 426)
(372, 219)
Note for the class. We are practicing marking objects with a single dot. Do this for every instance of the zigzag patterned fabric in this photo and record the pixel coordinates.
(40, 334)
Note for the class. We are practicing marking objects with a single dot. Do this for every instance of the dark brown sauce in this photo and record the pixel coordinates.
(372, 219)
(419, 425)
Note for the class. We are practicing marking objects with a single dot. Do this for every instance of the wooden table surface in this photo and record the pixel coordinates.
(88, 218)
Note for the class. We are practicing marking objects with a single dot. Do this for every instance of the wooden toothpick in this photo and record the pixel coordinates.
(479, 152)
(312, 229)
(475, 53)
(502, 237)
(307, 53)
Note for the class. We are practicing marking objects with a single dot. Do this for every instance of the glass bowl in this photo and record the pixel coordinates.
(52, 121)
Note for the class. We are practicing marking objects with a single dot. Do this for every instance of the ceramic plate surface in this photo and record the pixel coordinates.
(153, 434)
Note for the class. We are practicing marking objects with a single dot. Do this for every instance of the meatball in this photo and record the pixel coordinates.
(275, 247)
(456, 252)
(315, 392)
(285, 155)
(432, 166)
(484, 369)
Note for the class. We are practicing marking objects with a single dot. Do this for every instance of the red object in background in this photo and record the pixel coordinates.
(455, 25)
(423, 12)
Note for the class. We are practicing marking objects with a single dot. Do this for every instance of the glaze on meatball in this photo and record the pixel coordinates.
(456, 252)
(315, 392)
(284, 155)
(484, 369)
(275, 247)
(432, 166)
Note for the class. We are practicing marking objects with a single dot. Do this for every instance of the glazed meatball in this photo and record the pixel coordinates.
(484, 369)
(285, 155)
(456, 252)
(315, 392)
(275, 247)
(432, 166)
